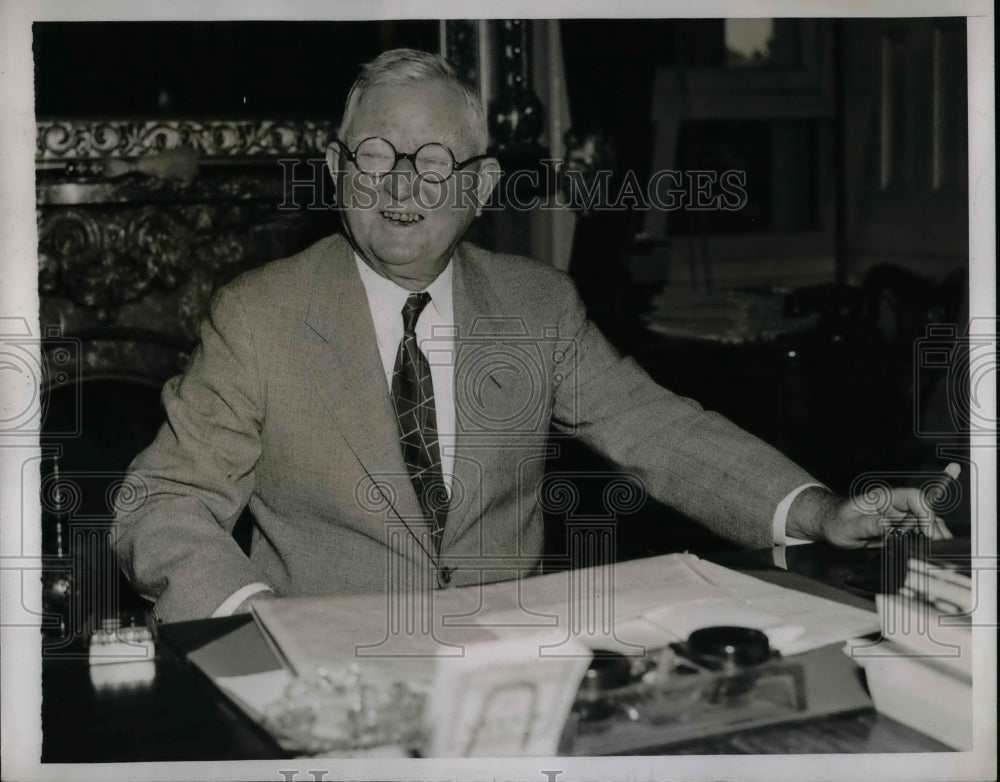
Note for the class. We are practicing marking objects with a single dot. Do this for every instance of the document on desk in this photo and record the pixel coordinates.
(651, 602)
(518, 649)
(627, 606)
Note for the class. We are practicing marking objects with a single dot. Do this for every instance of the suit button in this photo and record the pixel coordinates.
(444, 576)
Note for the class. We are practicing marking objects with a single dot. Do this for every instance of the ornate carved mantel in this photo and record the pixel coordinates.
(139, 220)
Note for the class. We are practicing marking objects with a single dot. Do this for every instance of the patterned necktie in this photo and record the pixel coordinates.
(413, 400)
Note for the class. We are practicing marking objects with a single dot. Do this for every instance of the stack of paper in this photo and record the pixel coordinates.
(519, 648)
(627, 606)
(920, 671)
(943, 583)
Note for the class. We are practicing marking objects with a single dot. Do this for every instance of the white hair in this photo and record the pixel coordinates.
(411, 66)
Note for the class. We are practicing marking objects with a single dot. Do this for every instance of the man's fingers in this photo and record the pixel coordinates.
(913, 502)
(933, 526)
(848, 527)
(916, 506)
(868, 528)
(941, 531)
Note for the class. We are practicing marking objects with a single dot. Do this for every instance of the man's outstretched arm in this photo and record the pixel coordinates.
(188, 488)
(702, 464)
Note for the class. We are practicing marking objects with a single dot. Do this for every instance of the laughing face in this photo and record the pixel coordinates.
(406, 227)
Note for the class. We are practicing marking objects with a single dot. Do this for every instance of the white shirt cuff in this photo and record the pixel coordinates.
(781, 516)
(232, 602)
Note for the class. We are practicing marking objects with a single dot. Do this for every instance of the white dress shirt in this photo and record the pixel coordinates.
(436, 337)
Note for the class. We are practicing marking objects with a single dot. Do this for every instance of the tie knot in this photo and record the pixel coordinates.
(415, 304)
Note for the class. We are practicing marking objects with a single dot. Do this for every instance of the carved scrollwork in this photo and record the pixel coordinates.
(67, 234)
(79, 139)
(136, 246)
(102, 259)
(265, 184)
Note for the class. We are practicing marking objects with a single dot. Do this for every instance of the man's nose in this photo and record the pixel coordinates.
(399, 182)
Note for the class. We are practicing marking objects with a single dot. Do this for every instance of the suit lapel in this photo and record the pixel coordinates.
(347, 373)
(474, 306)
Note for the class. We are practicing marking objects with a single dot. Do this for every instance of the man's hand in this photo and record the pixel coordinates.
(818, 514)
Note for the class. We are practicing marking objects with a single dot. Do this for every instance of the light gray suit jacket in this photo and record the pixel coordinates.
(285, 407)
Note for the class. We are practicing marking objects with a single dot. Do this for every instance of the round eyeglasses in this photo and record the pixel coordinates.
(433, 162)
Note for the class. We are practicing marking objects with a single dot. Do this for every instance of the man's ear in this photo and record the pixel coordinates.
(489, 177)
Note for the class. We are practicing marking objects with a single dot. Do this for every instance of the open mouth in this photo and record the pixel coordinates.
(402, 218)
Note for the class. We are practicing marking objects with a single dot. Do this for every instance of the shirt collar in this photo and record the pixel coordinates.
(387, 298)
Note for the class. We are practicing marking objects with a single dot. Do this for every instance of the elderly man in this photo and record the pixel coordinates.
(384, 399)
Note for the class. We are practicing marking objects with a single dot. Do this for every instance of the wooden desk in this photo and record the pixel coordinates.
(178, 715)
(181, 716)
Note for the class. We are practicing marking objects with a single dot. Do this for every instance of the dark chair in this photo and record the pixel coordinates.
(100, 407)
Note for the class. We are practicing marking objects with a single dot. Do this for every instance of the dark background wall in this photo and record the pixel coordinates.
(217, 69)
